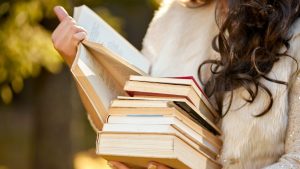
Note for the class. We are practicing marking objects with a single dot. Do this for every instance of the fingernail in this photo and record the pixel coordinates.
(111, 165)
(57, 8)
(152, 166)
(80, 36)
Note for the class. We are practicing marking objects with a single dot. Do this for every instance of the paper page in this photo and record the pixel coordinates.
(100, 32)
(99, 85)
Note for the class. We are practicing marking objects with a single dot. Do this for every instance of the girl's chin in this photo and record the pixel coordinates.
(192, 3)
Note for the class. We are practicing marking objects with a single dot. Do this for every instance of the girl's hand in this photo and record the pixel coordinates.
(67, 35)
(151, 165)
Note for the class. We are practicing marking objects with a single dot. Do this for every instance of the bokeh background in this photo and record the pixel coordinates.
(42, 122)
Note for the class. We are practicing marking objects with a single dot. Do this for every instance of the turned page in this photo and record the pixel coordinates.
(97, 87)
(101, 33)
(102, 65)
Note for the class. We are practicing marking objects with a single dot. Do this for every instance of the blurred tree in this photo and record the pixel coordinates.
(25, 46)
(56, 127)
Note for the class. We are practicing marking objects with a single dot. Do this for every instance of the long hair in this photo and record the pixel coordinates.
(252, 34)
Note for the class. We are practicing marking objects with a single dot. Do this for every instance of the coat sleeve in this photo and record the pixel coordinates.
(291, 158)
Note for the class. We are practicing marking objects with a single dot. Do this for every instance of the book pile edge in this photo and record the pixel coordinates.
(162, 119)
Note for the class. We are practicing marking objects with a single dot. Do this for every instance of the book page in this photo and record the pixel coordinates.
(119, 68)
(95, 81)
(103, 84)
(100, 32)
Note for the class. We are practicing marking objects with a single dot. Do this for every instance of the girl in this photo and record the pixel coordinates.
(245, 53)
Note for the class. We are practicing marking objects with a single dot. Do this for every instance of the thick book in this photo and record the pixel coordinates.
(210, 152)
(155, 89)
(186, 126)
(136, 150)
(182, 104)
(165, 111)
(187, 87)
(161, 125)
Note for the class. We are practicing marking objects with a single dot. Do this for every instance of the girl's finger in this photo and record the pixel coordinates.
(80, 36)
(77, 29)
(60, 12)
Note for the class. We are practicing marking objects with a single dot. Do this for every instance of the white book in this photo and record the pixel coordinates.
(136, 150)
(156, 123)
(163, 129)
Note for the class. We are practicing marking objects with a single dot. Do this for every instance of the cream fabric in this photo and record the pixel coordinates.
(179, 39)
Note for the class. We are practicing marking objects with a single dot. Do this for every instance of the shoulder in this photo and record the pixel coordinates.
(173, 20)
(175, 11)
(174, 15)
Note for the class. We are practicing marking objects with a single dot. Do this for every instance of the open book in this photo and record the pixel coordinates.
(103, 64)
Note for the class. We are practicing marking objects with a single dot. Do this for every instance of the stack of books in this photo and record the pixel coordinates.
(140, 118)
(167, 120)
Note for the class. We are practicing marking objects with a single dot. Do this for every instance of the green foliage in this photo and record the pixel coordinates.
(25, 46)
(115, 22)
(155, 3)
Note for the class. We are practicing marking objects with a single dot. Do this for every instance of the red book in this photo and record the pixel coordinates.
(193, 79)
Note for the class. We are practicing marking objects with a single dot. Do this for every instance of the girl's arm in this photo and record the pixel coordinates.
(291, 158)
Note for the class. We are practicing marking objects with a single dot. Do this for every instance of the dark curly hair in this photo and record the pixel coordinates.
(251, 36)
